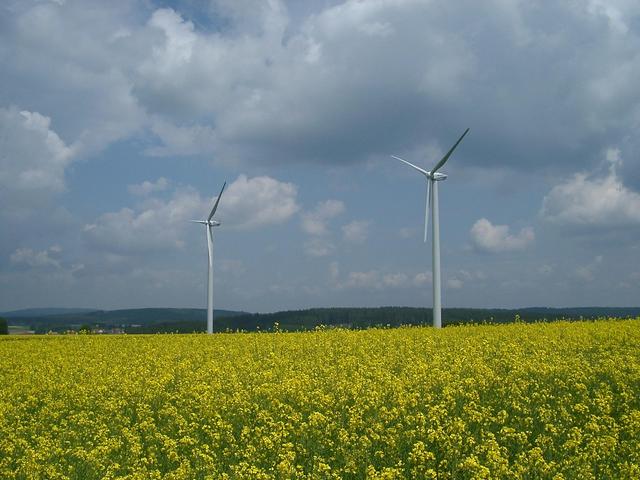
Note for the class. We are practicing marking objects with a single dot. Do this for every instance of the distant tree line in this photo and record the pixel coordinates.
(360, 318)
(142, 318)
(171, 320)
(4, 326)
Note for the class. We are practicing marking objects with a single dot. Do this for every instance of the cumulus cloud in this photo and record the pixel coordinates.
(315, 221)
(33, 159)
(316, 224)
(491, 238)
(76, 62)
(318, 247)
(157, 224)
(236, 81)
(356, 231)
(395, 279)
(376, 280)
(152, 226)
(44, 259)
(593, 200)
(368, 280)
(282, 89)
(422, 278)
(265, 84)
(181, 139)
(177, 46)
(475, 275)
(147, 187)
(258, 201)
(462, 276)
(407, 232)
(587, 273)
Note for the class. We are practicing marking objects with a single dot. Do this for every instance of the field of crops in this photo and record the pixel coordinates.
(558, 400)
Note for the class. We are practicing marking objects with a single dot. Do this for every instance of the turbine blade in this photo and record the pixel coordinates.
(427, 206)
(215, 207)
(446, 157)
(198, 221)
(424, 172)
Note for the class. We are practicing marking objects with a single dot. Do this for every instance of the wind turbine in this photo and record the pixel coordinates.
(432, 178)
(210, 223)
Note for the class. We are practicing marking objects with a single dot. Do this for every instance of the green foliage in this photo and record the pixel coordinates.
(139, 320)
(190, 320)
(85, 329)
(4, 326)
(360, 318)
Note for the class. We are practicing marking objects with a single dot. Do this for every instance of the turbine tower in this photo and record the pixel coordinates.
(432, 178)
(210, 223)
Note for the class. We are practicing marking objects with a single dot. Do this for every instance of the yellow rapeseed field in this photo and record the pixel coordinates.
(557, 400)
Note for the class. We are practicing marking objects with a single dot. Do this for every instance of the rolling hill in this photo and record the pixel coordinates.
(187, 320)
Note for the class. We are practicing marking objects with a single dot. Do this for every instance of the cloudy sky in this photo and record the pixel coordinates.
(119, 122)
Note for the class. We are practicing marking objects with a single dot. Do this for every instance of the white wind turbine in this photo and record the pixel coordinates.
(432, 178)
(210, 223)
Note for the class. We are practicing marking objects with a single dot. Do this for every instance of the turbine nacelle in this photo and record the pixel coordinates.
(211, 223)
(433, 174)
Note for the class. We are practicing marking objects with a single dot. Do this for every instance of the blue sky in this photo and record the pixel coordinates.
(119, 122)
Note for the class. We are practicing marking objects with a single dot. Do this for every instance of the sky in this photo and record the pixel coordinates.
(120, 121)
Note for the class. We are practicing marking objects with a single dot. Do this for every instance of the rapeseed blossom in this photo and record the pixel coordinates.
(558, 400)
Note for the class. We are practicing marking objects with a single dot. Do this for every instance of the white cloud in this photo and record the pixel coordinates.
(182, 140)
(407, 232)
(33, 159)
(265, 82)
(587, 273)
(156, 224)
(467, 275)
(584, 273)
(315, 221)
(367, 280)
(376, 29)
(44, 259)
(497, 238)
(255, 82)
(593, 200)
(318, 247)
(614, 13)
(376, 280)
(68, 60)
(153, 225)
(148, 187)
(395, 279)
(356, 231)
(258, 201)
(179, 41)
(462, 276)
(422, 278)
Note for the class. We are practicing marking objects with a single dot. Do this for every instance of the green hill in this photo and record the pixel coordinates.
(138, 320)
(41, 312)
(188, 320)
(396, 316)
